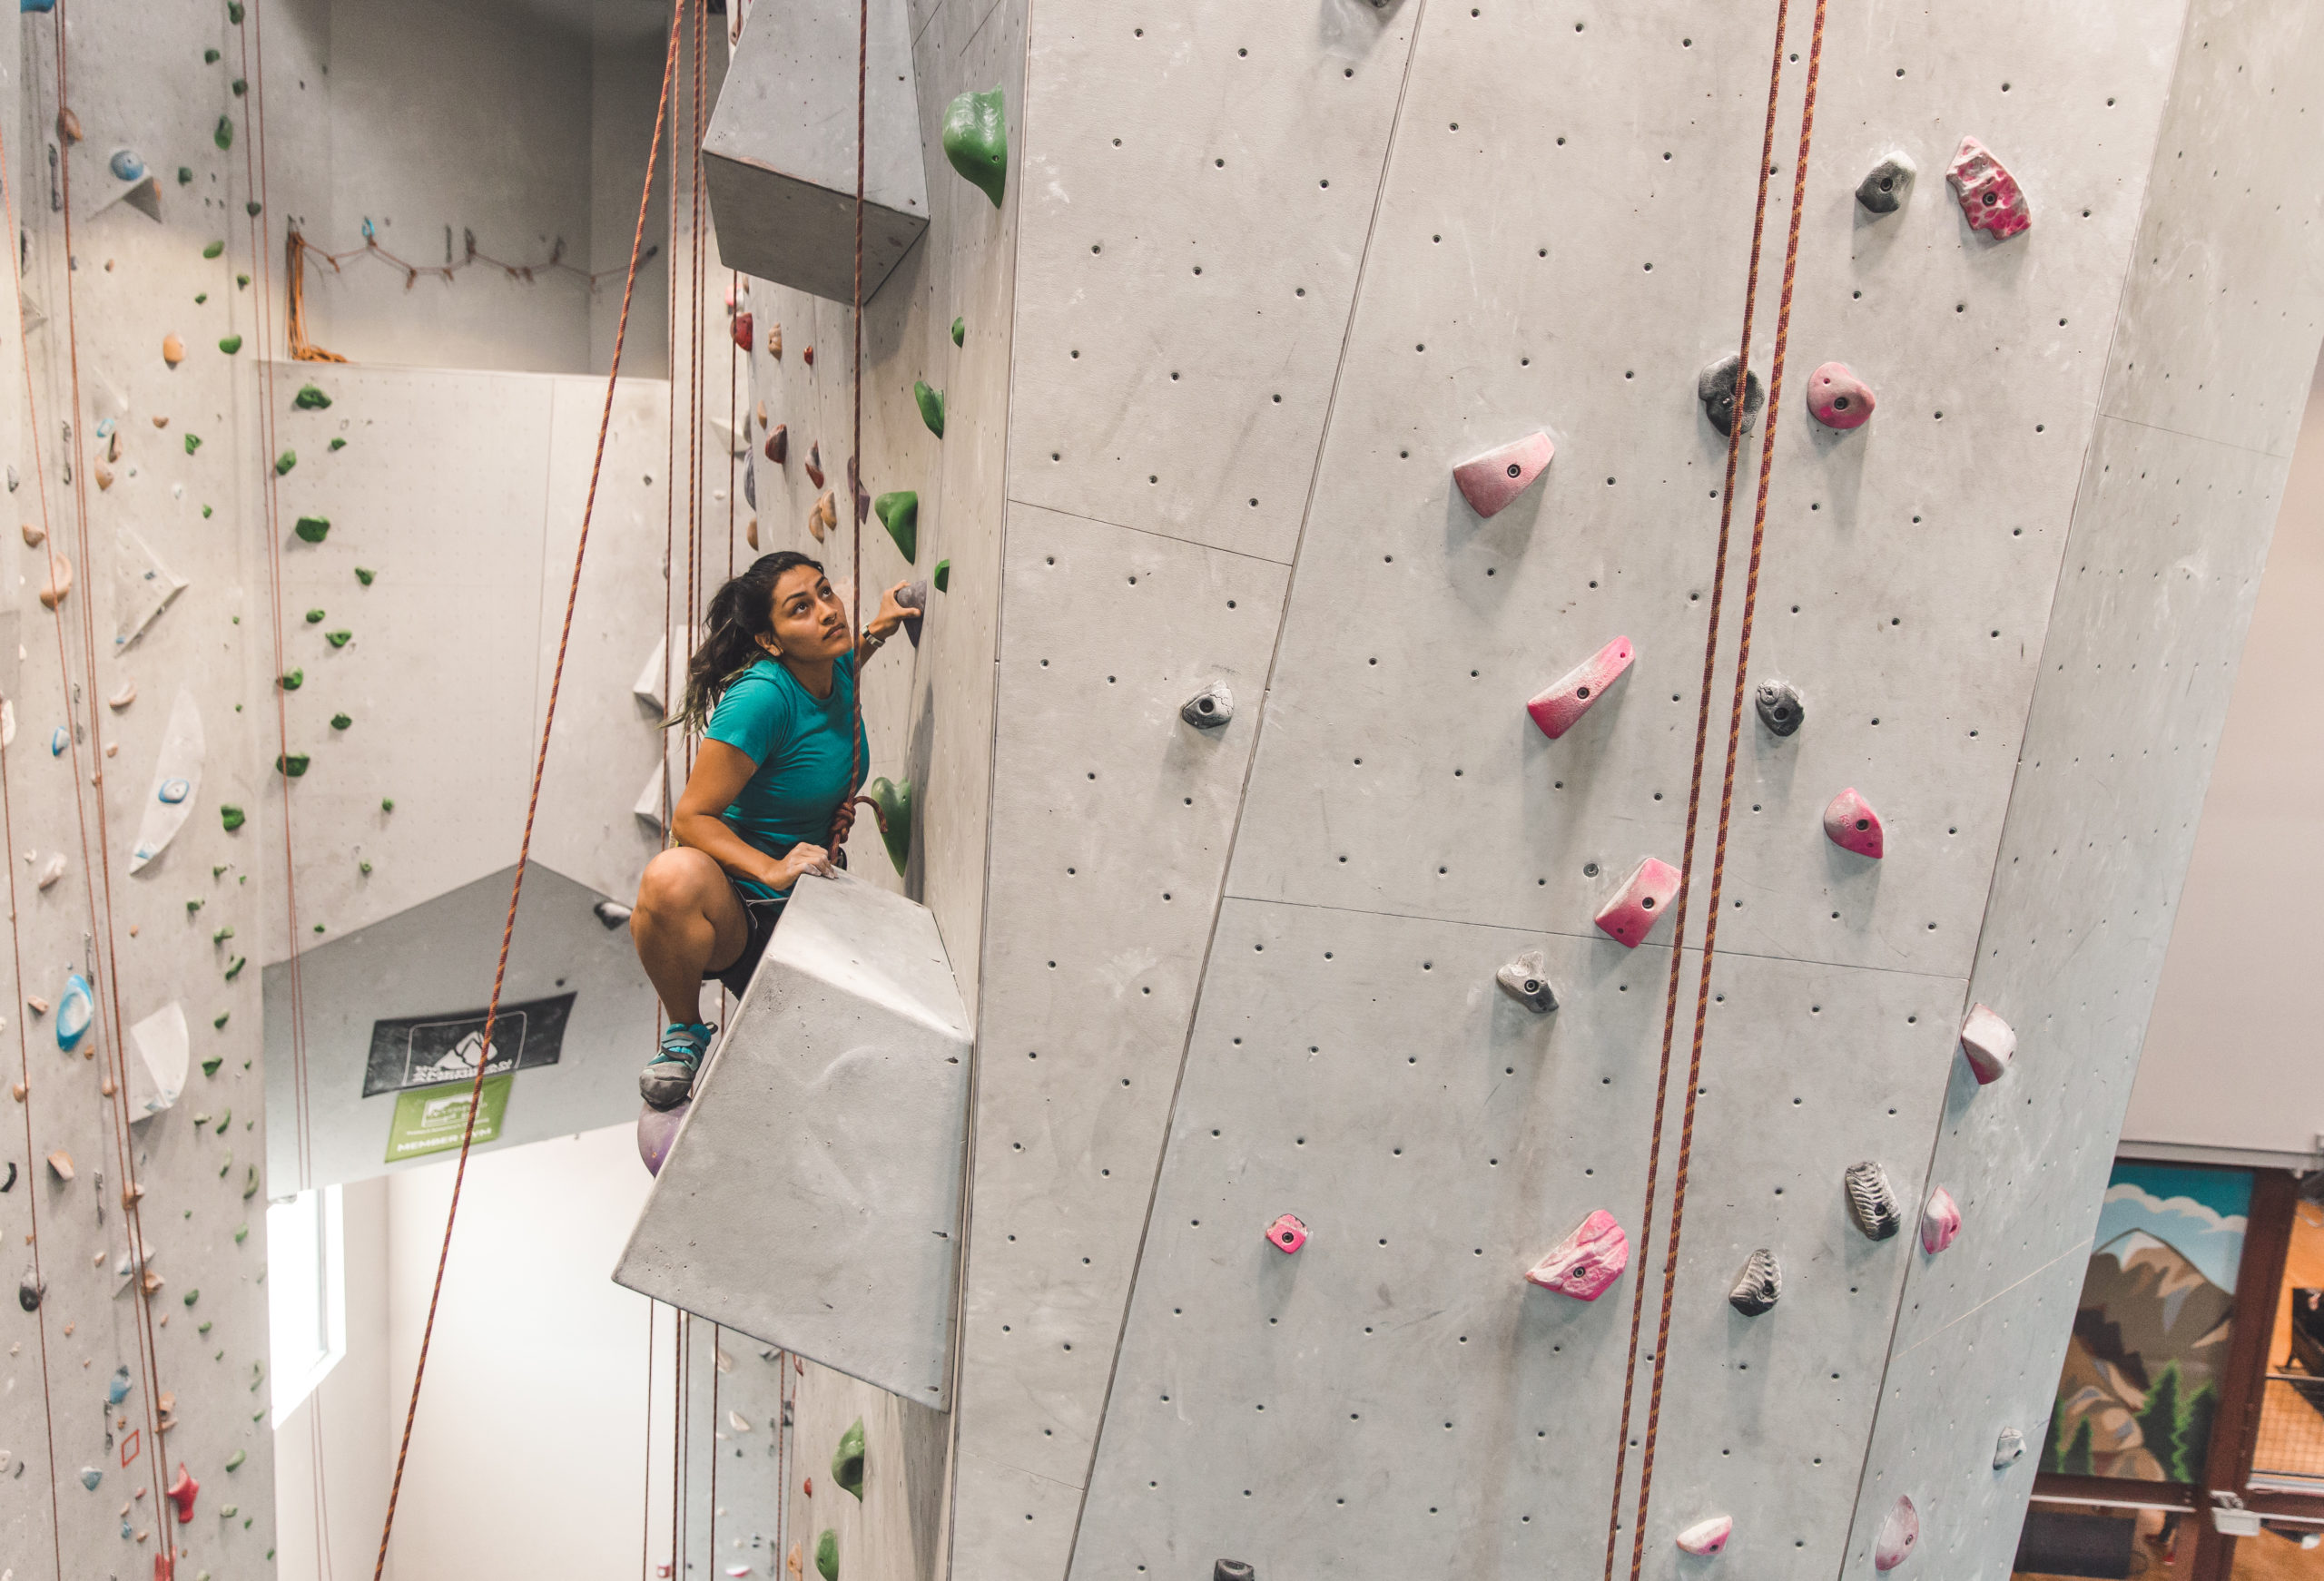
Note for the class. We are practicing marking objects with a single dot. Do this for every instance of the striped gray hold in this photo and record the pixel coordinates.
(1871, 1203)
(1526, 980)
(1760, 1286)
(1208, 709)
(29, 1291)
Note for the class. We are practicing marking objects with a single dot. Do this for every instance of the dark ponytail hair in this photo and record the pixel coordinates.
(740, 613)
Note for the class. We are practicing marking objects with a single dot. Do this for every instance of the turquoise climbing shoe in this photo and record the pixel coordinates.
(668, 1080)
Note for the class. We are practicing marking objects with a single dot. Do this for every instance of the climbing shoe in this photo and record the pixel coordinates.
(668, 1080)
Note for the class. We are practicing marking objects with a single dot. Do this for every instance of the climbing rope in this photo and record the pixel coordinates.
(1726, 782)
(532, 805)
(858, 501)
(294, 287)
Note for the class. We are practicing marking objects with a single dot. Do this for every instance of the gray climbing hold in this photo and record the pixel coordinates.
(2008, 1448)
(912, 597)
(1526, 980)
(1235, 1569)
(1210, 708)
(29, 1290)
(91, 1476)
(10, 1183)
(612, 913)
(1760, 1286)
(1715, 387)
(1871, 1203)
(1887, 184)
(1780, 707)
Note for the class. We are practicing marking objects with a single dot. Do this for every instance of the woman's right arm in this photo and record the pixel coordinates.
(720, 773)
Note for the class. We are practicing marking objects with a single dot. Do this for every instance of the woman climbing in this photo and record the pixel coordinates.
(772, 690)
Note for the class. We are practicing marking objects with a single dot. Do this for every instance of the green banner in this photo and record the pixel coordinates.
(430, 1119)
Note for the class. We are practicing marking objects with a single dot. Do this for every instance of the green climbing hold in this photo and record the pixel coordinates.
(205, 516)
(337, 445)
(285, 462)
(827, 1555)
(241, 1233)
(226, 1164)
(310, 398)
(234, 12)
(192, 1296)
(314, 616)
(899, 513)
(200, 298)
(223, 137)
(252, 208)
(209, 57)
(386, 804)
(931, 407)
(225, 1118)
(364, 574)
(235, 970)
(341, 721)
(230, 344)
(241, 87)
(976, 139)
(234, 1461)
(291, 680)
(210, 1066)
(232, 817)
(364, 868)
(223, 934)
(337, 639)
(847, 1460)
(291, 765)
(214, 250)
(313, 529)
(194, 906)
(185, 175)
(193, 443)
(960, 331)
(943, 577)
(221, 1022)
(250, 1190)
(242, 282)
(894, 802)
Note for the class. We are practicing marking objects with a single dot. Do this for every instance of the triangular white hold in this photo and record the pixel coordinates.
(131, 1257)
(649, 801)
(143, 194)
(649, 686)
(157, 1076)
(736, 440)
(177, 780)
(143, 588)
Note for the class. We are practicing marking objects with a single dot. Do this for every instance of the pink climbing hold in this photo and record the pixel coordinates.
(1991, 199)
(1988, 1043)
(657, 1129)
(1838, 398)
(1850, 824)
(1570, 697)
(1490, 481)
(742, 327)
(180, 1493)
(1940, 1222)
(1898, 1533)
(1630, 915)
(1287, 1234)
(1587, 1261)
(1706, 1537)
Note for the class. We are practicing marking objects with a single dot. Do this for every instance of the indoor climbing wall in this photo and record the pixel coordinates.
(1279, 280)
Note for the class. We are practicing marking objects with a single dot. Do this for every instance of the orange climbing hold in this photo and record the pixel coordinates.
(59, 584)
(172, 349)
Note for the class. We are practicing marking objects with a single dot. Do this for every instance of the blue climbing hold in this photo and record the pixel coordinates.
(89, 1476)
(117, 1389)
(58, 742)
(75, 1011)
(29, 6)
(175, 790)
(125, 165)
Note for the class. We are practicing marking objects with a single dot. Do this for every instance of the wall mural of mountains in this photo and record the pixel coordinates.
(2139, 1386)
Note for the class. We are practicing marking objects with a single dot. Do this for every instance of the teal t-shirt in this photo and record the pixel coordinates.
(800, 743)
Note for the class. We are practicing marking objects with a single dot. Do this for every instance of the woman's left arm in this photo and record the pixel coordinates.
(881, 626)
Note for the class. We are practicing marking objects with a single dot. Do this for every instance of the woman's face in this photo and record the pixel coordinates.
(810, 621)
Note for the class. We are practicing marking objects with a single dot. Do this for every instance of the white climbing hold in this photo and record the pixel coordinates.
(52, 870)
(1940, 1222)
(1210, 708)
(612, 913)
(157, 1076)
(1706, 1537)
(1898, 1533)
(648, 807)
(2009, 1448)
(1988, 1043)
(177, 775)
(122, 698)
(143, 587)
(1526, 980)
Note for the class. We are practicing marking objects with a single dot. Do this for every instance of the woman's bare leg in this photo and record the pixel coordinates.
(686, 924)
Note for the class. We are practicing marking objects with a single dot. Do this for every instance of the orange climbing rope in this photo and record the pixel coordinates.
(858, 501)
(532, 805)
(1726, 782)
(294, 290)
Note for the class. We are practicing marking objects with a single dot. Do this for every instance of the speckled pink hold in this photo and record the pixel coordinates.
(1991, 199)
(1644, 896)
(1988, 1043)
(1287, 1234)
(657, 1129)
(1587, 1261)
(1571, 695)
(1706, 1537)
(1838, 398)
(1850, 824)
(1940, 1222)
(1898, 1533)
(1493, 480)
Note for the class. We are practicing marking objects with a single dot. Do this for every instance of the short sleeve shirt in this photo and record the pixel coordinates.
(801, 744)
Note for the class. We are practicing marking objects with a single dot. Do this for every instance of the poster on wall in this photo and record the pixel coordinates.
(426, 1051)
(2142, 1378)
(433, 1119)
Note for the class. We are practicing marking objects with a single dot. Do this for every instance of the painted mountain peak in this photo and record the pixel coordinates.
(2139, 1384)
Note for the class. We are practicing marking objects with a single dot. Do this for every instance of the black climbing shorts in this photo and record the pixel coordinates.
(761, 916)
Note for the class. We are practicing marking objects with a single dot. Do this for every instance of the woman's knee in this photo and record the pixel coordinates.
(677, 881)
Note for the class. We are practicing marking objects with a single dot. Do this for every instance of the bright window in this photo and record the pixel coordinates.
(306, 1282)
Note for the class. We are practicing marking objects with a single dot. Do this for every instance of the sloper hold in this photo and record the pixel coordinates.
(1210, 708)
(143, 587)
(1706, 1537)
(29, 1290)
(2009, 1448)
(1886, 185)
(1781, 708)
(931, 407)
(657, 1129)
(157, 1076)
(1991, 199)
(847, 1460)
(1571, 695)
(1235, 1569)
(899, 513)
(1644, 896)
(1899, 1530)
(1715, 387)
(1586, 1262)
(1871, 1203)
(1850, 824)
(894, 801)
(1526, 980)
(1494, 479)
(1988, 1043)
(1287, 1234)
(1940, 1222)
(976, 140)
(310, 399)
(75, 1008)
(312, 529)
(1837, 399)
(1758, 1286)
(912, 599)
(827, 1555)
